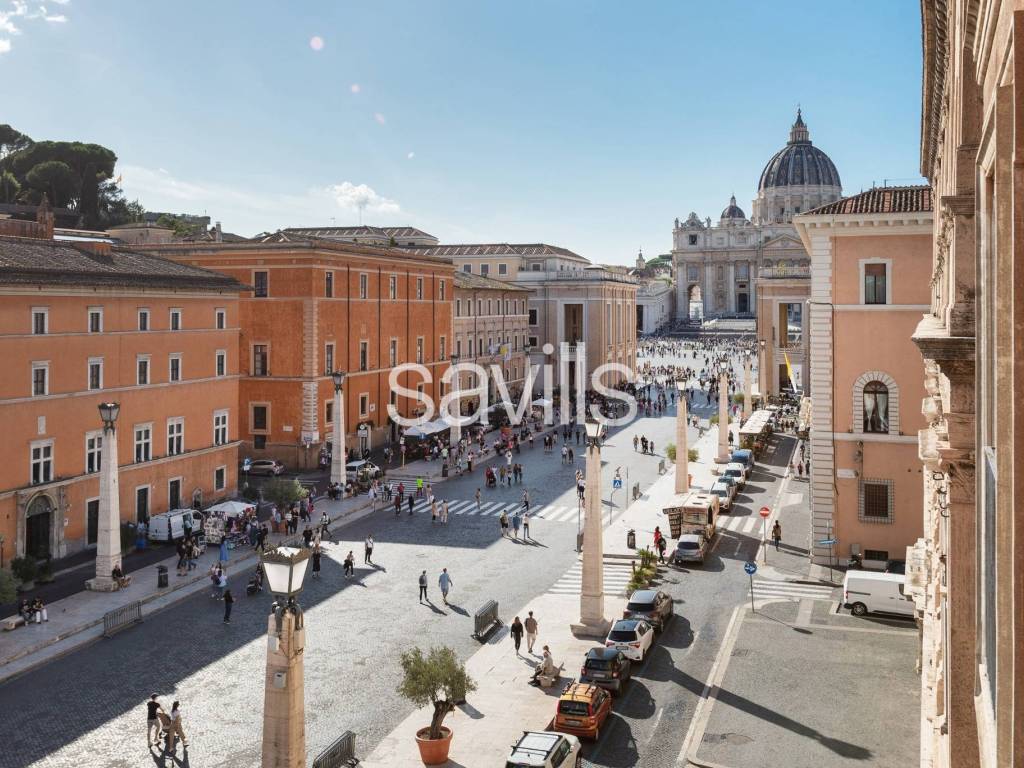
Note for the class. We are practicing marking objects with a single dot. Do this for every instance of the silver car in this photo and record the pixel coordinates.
(691, 548)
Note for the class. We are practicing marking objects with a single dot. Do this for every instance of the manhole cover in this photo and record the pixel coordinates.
(739, 653)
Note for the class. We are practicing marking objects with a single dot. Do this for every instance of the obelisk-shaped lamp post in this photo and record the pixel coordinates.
(108, 534)
(748, 385)
(682, 447)
(284, 710)
(592, 621)
(456, 430)
(723, 411)
(339, 455)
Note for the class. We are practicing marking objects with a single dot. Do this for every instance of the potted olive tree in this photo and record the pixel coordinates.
(25, 570)
(440, 679)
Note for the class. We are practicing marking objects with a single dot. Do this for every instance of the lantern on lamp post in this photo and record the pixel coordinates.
(108, 533)
(284, 713)
(592, 622)
(338, 453)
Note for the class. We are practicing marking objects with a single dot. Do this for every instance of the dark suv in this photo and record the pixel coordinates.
(651, 605)
(606, 667)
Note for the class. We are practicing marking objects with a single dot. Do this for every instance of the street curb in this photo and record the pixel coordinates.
(350, 516)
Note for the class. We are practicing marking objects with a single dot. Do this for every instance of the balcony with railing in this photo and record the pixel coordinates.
(782, 273)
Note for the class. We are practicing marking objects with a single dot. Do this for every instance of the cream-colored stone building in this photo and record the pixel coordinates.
(966, 571)
(870, 263)
(782, 294)
(490, 327)
(654, 304)
(717, 266)
(572, 301)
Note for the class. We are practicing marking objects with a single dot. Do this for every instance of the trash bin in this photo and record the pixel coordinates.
(579, 541)
(444, 470)
(631, 539)
(161, 576)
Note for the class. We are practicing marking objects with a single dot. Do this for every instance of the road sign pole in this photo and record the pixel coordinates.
(752, 608)
(764, 538)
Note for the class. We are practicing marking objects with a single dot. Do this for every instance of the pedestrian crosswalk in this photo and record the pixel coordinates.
(766, 590)
(555, 513)
(749, 525)
(616, 577)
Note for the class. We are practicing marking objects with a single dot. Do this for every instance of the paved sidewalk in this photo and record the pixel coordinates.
(78, 619)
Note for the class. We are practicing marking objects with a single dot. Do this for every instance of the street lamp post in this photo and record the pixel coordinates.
(762, 374)
(108, 534)
(592, 622)
(747, 386)
(456, 430)
(682, 448)
(338, 453)
(723, 412)
(284, 712)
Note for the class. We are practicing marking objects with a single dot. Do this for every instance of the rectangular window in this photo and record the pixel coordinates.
(364, 355)
(261, 284)
(260, 360)
(175, 436)
(329, 412)
(220, 478)
(458, 307)
(95, 319)
(93, 450)
(174, 493)
(40, 379)
(143, 442)
(533, 317)
(220, 319)
(393, 353)
(442, 348)
(143, 319)
(533, 342)
(467, 268)
(485, 269)
(458, 347)
(329, 358)
(364, 285)
(419, 288)
(222, 362)
(259, 417)
(879, 555)
(876, 497)
(175, 319)
(419, 349)
(42, 461)
(490, 310)
(329, 285)
(874, 284)
(142, 369)
(364, 405)
(392, 287)
(535, 267)
(259, 442)
(95, 373)
(40, 320)
(503, 269)
(470, 340)
(441, 290)
(142, 503)
(220, 427)
(174, 368)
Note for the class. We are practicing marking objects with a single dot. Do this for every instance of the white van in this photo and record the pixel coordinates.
(875, 592)
(169, 526)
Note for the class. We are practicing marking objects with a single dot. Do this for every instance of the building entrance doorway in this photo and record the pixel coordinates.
(742, 303)
(38, 526)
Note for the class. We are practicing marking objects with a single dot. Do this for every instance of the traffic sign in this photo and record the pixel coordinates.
(246, 465)
(765, 511)
(617, 482)
(828, 542)
(750, 567)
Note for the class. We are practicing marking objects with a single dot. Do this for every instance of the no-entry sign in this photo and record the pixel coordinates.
(765, 511)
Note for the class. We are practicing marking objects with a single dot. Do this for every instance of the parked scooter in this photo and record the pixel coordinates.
(855, 563)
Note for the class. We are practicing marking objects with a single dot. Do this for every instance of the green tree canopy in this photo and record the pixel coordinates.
(55, 179)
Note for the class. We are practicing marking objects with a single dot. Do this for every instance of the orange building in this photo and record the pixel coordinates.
(82, 324)
(870, 272)
(319, 306)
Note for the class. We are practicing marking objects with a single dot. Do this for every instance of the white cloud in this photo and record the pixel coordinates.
(61, 2)
(360, 197)
(19, 9)
(60, 18)
(5, 45)
(6, 25)
(379, 118)
(411, 155)
(355, 88)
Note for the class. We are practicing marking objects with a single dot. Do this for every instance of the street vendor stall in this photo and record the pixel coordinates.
(755, 430)
(221, 520)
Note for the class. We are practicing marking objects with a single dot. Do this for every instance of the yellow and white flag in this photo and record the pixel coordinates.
(789, 371)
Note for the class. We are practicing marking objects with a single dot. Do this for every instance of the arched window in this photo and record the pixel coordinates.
(876, 407)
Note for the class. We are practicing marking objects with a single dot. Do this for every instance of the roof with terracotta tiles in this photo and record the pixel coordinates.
(912, 199)
(478, 282)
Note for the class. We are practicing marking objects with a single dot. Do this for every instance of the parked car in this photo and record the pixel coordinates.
(873, 592)
(651, 605)
(606, 667)
(691, 548)
(634, 637)
(737, 471)
(582, 710)
(270, 467)
(743, 456)
(545, 749)
(354, 468)
(724, 492)
(173, 525)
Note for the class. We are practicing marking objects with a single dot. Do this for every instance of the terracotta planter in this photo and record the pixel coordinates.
(434, 751)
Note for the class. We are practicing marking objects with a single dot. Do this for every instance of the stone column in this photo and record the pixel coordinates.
(682, 461)
(284, 712)
(723, 418)
(455, 435)
(338, 453)
(108, 535)
(592, 621)
(747, 386)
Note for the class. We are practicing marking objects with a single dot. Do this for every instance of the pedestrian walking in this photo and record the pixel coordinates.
(526, 499)
(516, 630)
(350, 564)
(433, 512)
(799, 469)
(368, 550)
(412, 503)
(423, 587)
(175, 729)
(229, 601)
(517, 520)
(503, 521)
(444, 512)
(531, 631)
(636, 442)
(478, 501)
(316, 563)
(526, 525)
(153, 710)
(661, 549)
(444, 581)
(777, 534)
(807, 468)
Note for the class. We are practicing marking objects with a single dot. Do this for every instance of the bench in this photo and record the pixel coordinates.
(13, 622)
(546, 681)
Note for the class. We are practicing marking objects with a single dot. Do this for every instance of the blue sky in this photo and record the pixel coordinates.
(589, 125)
